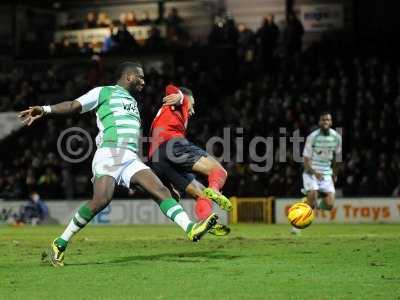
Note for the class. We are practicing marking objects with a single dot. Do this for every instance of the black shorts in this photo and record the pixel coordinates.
(173, 161)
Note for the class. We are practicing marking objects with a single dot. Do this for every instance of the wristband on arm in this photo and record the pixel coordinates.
(46, 109)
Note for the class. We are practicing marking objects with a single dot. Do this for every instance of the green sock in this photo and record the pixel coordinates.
(85, 213)
(174, 211)
(80, 219)
(61, 244)
(322, 205)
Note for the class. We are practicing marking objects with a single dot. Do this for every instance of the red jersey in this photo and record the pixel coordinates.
(170, 121)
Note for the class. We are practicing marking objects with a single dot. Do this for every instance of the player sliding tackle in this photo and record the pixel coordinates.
(175, 160)
(320, 172)
(115, 161)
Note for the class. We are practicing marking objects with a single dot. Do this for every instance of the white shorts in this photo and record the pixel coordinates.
(119, 163)
(311, 183)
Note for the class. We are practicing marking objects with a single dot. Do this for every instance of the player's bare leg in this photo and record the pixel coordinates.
(103, 190)
(151, 184)
(327, 202)
(203, 207)
(211, 168)
(170, 207)
(312, 197)
(217, 175)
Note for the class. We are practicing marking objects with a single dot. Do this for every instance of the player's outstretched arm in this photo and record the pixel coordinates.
(36, 112)
(66, 107)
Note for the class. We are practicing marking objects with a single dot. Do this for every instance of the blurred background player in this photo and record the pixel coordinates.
(115, 161)
(320, 154)
(175, 160)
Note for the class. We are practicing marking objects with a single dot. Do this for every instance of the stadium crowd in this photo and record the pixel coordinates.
(269, 89)
(120, 39)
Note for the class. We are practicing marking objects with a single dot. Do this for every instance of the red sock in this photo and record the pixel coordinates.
(217, 178)
(203, 208)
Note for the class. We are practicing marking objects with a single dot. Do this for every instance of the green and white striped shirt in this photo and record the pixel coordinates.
(118, 117)
(321, 149)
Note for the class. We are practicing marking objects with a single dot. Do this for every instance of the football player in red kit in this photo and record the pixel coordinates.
(175, 160)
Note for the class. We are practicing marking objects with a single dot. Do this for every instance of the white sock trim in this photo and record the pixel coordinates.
(182, 219)
(172, 210)
(80, 219)
(70, 231)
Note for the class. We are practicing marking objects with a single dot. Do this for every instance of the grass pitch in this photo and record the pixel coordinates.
(156, 262)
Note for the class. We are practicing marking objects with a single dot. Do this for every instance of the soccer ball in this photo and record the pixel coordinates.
(300, 215)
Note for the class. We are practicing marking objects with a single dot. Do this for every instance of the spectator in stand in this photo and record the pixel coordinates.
(110, 43)
(25, 96)
(122, 19)
(68, 49)
(67, 181)
(274, 31)
(381, 184)
(90, 21)
(155, 41)
(145, 20)
(52, 50)
(71, 23)
(224, 32)
(131, 19)
(216, 36)
(103, 20)
(246, 36)
(13, 188)
(36, 211)
(49, 183)
(176, 34)
(365, 187)
(30, 180)
(126, 41)
(231, 31)
(293, 35)
(173, 19)
(267, 40)
(95, 75)
(246, 43)
(84, 48)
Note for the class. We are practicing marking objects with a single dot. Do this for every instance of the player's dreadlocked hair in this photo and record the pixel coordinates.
(125, 67)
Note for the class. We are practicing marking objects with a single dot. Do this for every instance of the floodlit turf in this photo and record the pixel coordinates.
(156, 262)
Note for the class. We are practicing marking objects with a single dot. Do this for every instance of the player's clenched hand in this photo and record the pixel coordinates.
(172, 99)
(31, 115)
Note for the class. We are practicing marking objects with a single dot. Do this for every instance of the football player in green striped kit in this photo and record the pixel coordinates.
(320, 154)
(115, 161)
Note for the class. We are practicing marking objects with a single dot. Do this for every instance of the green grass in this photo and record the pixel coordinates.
(156, 262)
